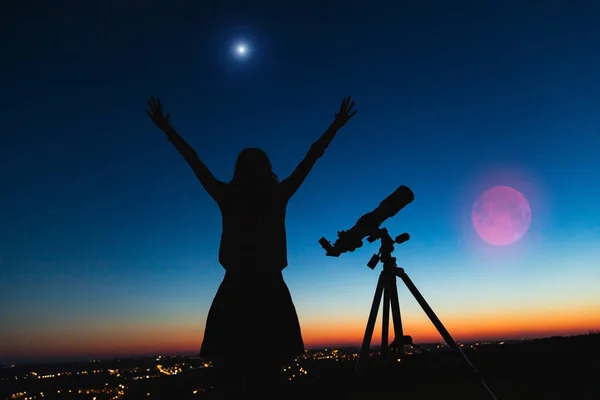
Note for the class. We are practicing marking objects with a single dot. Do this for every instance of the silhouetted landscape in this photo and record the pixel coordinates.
(550, 368)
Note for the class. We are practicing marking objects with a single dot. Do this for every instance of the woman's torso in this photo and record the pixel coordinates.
(253, 241)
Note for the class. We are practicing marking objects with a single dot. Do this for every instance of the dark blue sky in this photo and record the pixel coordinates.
(98, 211)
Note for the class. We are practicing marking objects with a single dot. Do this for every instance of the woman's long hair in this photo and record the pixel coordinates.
(253, 177)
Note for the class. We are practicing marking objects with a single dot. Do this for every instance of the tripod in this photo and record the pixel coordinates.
(386, 287)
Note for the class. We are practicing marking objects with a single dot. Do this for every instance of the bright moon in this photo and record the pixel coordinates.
(241, 50)
(501, 215)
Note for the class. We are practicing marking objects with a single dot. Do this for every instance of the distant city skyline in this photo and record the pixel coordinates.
(375, 347)
(433, 371)
(108, 243)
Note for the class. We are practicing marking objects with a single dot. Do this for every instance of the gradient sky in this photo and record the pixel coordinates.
(108, 244)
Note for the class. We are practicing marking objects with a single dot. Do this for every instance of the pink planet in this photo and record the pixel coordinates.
(501, 215)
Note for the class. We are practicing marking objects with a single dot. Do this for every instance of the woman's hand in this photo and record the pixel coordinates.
(345, 113)
(157, 116)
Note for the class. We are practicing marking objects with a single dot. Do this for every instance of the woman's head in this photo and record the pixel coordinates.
(253, 167)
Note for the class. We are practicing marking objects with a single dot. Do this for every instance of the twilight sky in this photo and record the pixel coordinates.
(108, 244)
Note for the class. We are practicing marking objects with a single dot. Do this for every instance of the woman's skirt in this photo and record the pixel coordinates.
(252, 317)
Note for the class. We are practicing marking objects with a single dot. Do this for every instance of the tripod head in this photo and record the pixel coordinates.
(385, 250)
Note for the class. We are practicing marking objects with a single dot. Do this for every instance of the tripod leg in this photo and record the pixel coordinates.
(366, 344)
(440, 327)
(396, 317)
(385, 321)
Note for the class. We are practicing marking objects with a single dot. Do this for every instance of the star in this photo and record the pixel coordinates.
(241, 50)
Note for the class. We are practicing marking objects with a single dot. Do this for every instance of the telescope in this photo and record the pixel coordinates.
(367, 225)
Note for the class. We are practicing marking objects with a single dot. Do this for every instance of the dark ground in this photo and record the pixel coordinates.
(553, 368)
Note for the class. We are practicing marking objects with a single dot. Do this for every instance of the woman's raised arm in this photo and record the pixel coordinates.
(213, 186)
(291, 184)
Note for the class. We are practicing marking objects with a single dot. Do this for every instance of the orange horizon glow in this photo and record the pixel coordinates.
(185, 338)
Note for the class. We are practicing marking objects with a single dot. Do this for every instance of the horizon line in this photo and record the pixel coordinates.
(75, 359)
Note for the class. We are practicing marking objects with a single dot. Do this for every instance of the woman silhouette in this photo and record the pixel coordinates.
(252, 316)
